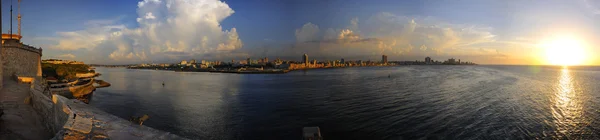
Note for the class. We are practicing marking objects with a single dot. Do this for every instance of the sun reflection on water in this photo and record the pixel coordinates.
(567, 110)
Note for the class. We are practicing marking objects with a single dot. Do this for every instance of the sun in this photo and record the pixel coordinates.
(565, 51)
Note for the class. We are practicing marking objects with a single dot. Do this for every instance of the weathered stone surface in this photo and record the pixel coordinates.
(82, 124)
(21, 61)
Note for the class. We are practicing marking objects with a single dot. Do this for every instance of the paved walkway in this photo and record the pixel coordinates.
(20, 121)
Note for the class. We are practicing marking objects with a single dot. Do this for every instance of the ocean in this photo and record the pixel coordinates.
(403, 102)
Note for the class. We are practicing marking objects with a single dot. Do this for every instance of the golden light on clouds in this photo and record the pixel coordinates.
(565, 50)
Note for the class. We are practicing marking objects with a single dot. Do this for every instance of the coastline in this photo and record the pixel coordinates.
(269, 71)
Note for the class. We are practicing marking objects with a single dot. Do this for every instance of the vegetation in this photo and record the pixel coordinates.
(64, 71)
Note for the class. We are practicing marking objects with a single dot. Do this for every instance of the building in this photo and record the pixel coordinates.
(428, 60)
(305, 59)
(248, 61)
(183, 62)
(266, 60)
(384, 59)
(193, 61)
(342, 61)
(314, 62)
(451, 61)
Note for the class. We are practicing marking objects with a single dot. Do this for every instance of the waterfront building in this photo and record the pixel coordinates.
(305, 59)
(248, 61)
(266, 60)
(183, 62)
(342, 61)
(384, 59)
(193, 61)
(428, 60)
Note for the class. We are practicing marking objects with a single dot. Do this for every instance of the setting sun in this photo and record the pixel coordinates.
(564, 51)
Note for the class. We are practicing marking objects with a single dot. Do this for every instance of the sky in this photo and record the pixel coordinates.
(168, 31)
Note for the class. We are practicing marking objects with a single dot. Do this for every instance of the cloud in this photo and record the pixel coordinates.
(386, 33)
(66, 56)
(592, 6)
(187, 28)
(149, 16)
(308, 32)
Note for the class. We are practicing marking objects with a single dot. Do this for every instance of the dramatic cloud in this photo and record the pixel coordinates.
(168, 30)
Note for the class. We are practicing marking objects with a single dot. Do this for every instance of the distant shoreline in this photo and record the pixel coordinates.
(269, 71)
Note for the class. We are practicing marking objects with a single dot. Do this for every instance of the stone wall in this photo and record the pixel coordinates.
(72, 119)
(20, 60)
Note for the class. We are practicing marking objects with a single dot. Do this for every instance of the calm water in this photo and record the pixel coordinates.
(450, 102)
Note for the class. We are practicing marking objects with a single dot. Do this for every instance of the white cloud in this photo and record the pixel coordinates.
(150, 16)
(308, 32)
(168, 30)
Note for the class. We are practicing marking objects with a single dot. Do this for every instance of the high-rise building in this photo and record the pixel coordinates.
(451, 60)
(314, 61)
(266, 60)
(384, 59)
(248, 61)
(428, 59)
(342, 61)
(305, 59)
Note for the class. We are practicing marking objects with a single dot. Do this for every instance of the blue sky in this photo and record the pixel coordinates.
(126, 31)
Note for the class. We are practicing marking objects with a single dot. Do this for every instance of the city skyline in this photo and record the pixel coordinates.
(152, 31)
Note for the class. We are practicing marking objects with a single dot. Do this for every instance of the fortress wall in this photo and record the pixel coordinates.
(21, 61)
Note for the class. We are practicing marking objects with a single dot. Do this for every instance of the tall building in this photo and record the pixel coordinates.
(384, 59)
(248, 61)
(266, 60)
(342, 61)
(305, 59)
(427, 59)
(314, 62)
(451, 60)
